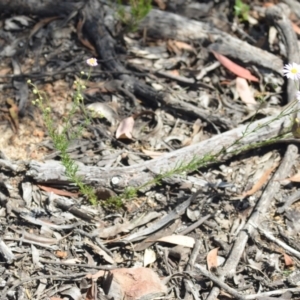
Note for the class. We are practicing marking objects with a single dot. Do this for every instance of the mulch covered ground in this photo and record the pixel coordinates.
(192, 111)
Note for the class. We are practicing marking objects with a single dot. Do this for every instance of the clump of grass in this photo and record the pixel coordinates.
(241, 10)
(138, 11)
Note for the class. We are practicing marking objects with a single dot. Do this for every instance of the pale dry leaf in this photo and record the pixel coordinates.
(182, 240)
(103, 110)
(257, 186)
(124, 130)
(212, 259)
(152, 154)
(245, 92)
(149, 257)
(177, 47)
(295, 178)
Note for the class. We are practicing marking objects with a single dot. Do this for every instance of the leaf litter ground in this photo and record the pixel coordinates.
(234, 222)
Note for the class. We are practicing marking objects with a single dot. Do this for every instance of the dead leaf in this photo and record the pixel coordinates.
(161, 4)
(61, 254)
(234, 68)
(296, 28)
(91, 292)
(130, 284)
(177, 47)
(125, 128)
(152, 154)
(149, 257)
(84, 41)
(244, 92)
(295, 178)
(212, 259)
(182, 240)
(288, 260)
(57, 191)
(103, 110)
(257, 186)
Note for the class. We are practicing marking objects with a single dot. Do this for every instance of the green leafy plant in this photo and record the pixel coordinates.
(241, 10)
(138, 11)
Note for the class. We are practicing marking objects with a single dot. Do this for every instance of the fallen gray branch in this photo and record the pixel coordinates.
(272, 238)
(217, 281)
(166, 25)
(135, 176)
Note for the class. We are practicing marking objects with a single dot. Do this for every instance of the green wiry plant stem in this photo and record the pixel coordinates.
(61, 140)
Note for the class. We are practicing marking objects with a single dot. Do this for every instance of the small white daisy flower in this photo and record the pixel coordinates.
(92, 62)
(292, 71)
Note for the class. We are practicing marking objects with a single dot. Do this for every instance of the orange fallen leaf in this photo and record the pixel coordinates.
(296, 28)
(212, 259)
(288, 260)
(257, 186)
(268, 4)
(57, 191)
(61, 254)
(234, 68)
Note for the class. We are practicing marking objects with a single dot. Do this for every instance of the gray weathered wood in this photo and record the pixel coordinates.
(119, 178)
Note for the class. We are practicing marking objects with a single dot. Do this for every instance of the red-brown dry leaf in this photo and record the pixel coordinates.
(257, 186)
(125, 128)
(212, 259)
(244, 92)
(133, 283)
(90, 295)
(234, 68)
(57, 191)
(288, 260)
